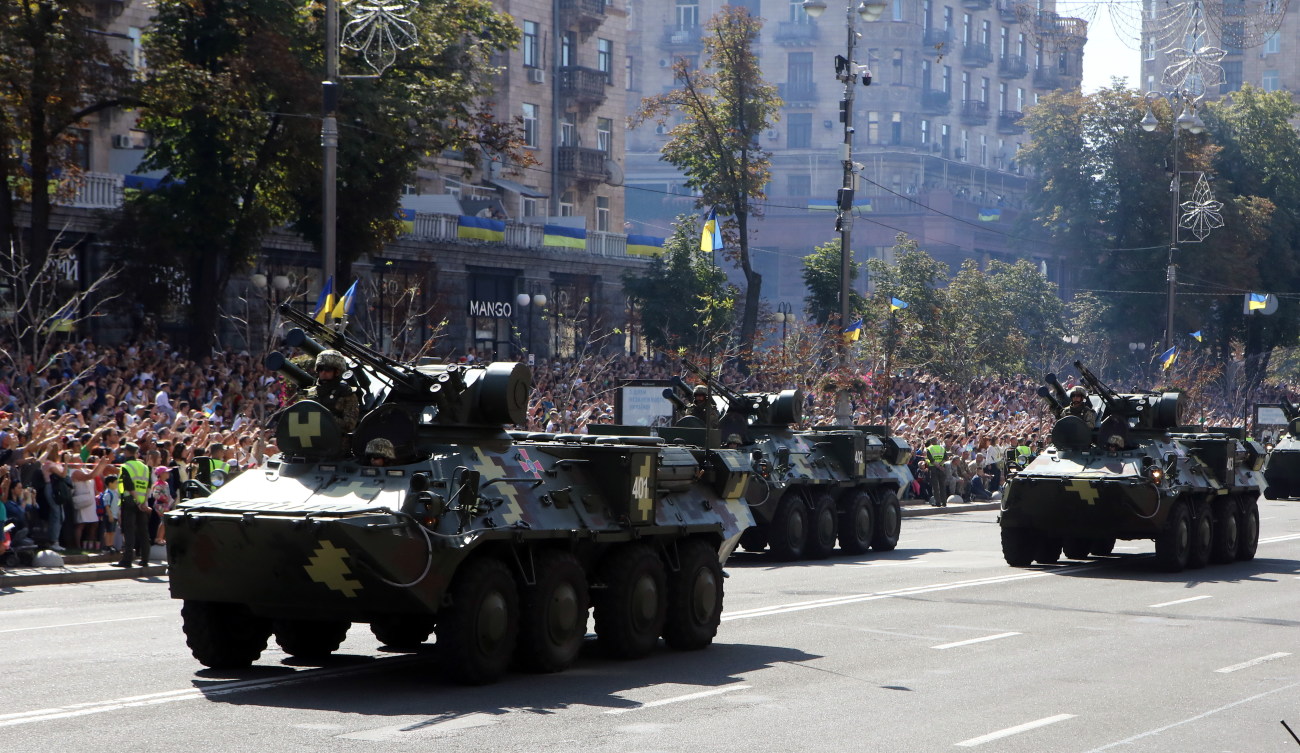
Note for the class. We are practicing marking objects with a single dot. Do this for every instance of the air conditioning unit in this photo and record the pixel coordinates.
(663, 62)
(772, 134)
(661, 129)
(122, 141)
(537, 75)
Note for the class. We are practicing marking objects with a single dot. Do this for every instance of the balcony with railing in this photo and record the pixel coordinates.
(585, 86)
(1009, 11)
(974, 111)
(1047, 77)
(581, 164)
(1013, 66)
(937, 39)
(976, 55)
(681, 38)
(797, 92)
(587, 15)
(977, 4)
(445, 227)
(794, 34)
(1009, 122)
(936, 102)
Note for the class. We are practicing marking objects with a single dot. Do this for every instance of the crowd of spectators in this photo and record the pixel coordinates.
(56, 465)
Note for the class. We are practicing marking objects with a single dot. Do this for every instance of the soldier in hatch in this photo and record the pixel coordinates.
(702, 406)
(330, 391)
(1079, 406)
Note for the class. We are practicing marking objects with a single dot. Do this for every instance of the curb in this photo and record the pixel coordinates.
(909, 512)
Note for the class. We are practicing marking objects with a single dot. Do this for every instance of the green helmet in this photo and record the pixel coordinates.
(331, 359)
(1080, 391)
(380, 448)
(701, 390)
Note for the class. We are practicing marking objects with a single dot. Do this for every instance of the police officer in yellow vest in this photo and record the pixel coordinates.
(935, 453)
(134, 508)
(214, 462)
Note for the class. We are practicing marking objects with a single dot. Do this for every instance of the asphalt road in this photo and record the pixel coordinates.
(936, 646)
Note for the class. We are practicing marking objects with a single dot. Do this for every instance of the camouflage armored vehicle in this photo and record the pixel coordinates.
(496, 542)
(809, 488)
(1282, 466)
(1135, 474)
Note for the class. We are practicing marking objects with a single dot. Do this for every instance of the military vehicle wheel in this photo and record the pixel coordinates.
(856, 523)
(553, 613)
(1048, 551)
(889, 519)
(753, 539)
(1271, 493)
(478, 632)
(821, 527)
(1202, 537)
(1019, 546)
(1248, 531)
(224, 636)
(310, 639)
(630, 609)
(403, 632)
(1226, 530)
(787, 534)
(1102, 547)
(694, 597)
(1174, 543)
(1077, 549)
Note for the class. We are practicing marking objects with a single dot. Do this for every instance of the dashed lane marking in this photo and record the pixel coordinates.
(974, 640)
(78, 624)
(1253, 662)
(1009, 731)
(1180, 601)
(1130, 740)
(679, 699)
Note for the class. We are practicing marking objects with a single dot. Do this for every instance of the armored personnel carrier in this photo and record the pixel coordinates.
(1135, 474)
(498, 543)
(1282, 466)
(809, 488)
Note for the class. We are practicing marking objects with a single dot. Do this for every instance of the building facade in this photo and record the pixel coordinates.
(1258, 40)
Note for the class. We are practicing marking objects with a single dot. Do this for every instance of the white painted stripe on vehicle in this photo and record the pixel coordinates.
(1253, 662)
(1009, 731)
(1189, 720)
(1180, 601)
(679, 699)
(79, 624)
(974, 640)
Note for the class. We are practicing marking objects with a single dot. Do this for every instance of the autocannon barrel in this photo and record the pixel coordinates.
(296, 338)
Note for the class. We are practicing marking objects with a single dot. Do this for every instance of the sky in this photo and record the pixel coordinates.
(1105, 55)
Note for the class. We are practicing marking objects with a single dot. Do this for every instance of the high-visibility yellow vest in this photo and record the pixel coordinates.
(138, 473)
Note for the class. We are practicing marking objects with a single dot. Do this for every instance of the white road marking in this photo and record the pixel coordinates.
(887, 563)
(1253, 662)
(1180, 601)
(1009, 731)
(78, 624)
(1198, 717)
(1275, 539)
(679, 699)
(975, 640)
(422, 729)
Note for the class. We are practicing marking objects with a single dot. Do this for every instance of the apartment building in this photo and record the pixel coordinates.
(1258, 41)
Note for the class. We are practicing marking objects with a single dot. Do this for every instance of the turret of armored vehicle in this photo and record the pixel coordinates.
(433, 518)
(1134, 473)
(1282, 466)
(809, 488)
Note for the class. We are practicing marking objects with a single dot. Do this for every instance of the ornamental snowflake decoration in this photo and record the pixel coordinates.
(379, 29)
(1202, 213)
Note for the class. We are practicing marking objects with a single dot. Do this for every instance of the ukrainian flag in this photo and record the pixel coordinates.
(63, 319)
(853, 331)
(347, 303)
(990, 215)
(897, 305)
(325, 304)
(481, 229)
(711, 235)
(566, 237)
(1168, 358)
(645, 245)
(1196, 335)
(1257, 301)
(407, 218)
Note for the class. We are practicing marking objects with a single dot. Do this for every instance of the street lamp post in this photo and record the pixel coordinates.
(1191, 122)
(847, 72)
(525, 301)
(784, 315)
(1135, 348)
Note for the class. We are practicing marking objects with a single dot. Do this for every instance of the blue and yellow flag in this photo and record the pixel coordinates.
(325, 304)
(1257, 301)
(407, 218)
(567, 237)
(645, 245)
(992, 214)
(1168, 358)
(853, 331)
(897, 305)
(347, 303)
(481, 228)
(1196, 336)
(711, 235)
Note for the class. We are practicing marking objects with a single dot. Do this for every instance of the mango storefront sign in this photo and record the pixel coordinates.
(499, 309)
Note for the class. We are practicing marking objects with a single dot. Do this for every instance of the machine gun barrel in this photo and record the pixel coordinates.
(731, 396)
(1108, 396)
(1046, 394)
(671, 395)
(1057, 388)
(398, 373)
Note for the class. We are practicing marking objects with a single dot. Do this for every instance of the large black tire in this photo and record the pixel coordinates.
(403, 632)
(1102, 547)
(694, 597)
(1248, 531)
(857, 521)
(478, 631)
(1174, 543)
(553, 613)
(224, 636)
(1077, 548)
(1202, 536)
(889, 521)
(1048, 551)
(754, 539)
(1019, 545)
(787, 534)
(1271, 492)
(310, 639)
(1226, 532)
(631, 607)
(822, 528)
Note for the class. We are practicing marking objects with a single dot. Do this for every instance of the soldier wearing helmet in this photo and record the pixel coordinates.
(379, 451)
(702, 406)
(331, 392)
(1079, 406)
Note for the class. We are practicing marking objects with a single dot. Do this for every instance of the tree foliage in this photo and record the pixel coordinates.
(821, 277)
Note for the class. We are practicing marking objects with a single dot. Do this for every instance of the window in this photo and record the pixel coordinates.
(1273, 44)
(566, 204)
(605, 59)
(1020, 99)
(797, 14)
(986, 33)
(605, 135)
(1231, 37)
(567, 46)
(78, 151)
(1002, 96)
(1149, 48)
(947, 79)
(799, 70)
(629, 77)
(798, 184)
(896, 128)
(898, 10)
(530, 125)
(945, 136)
(965, 84)
(528, 206)
(531, 46)
(947, 18)
(1270, 81)
(688, 14)
(1021, 45)
(569, 129)
(984, 89)
(966, 38)
(965, 145)
(1231, 76)
(925, 75)
(923, 128)
(898, 66)
(984, 149)
(602, 214)
(799, 130)
(1004, 42)
(927, 12)
(873, 127)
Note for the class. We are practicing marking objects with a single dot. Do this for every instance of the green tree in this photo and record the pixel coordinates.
(821, 277)
(683, 296)
(1031, 309)
(916, 278)
(724, 107)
